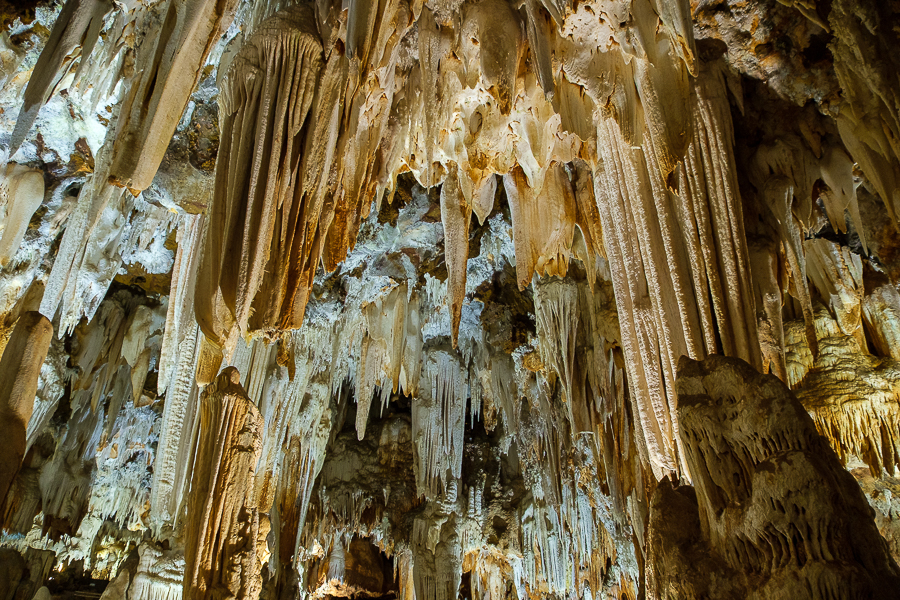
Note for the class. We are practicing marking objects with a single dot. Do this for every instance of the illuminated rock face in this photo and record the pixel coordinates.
(368, 299)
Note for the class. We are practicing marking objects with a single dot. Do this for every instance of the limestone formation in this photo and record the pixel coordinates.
(387, 299)
(21, 193)
(223, 525)
(20, 368)
(774, 512)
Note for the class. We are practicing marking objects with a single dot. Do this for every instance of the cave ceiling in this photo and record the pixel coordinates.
(445, 299)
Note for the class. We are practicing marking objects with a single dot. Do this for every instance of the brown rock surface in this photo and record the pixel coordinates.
(20, 368)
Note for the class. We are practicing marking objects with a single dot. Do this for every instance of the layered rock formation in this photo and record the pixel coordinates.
(389, 299)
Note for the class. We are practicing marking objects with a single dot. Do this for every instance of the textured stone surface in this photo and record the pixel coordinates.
(776, 509)
(455, 250)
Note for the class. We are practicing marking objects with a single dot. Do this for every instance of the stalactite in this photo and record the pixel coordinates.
(438, 421)
(640, 336)
(869, 121)
(267, 94)
(615, 247)
(557, 323)
(21, 193)
(455, 216)
(881, 315)
(171, 474)
(711, 217)
(76, 31)
(832, 388)
(167, 68)
(543, 241)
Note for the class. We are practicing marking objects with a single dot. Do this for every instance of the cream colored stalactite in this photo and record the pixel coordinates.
(556, 309)
(438, 416)
(495, 28)
(664, 85)
(456, 217)
(282, 407)
(59, 291)
(21, 193)
(105, 222)
(617, 186)
(785, 172)
(168, 68)
(180, 322)
(836, 169)
(143, 324)
(779, 196)
(223, 521)
(437, 553)
(881, 315)
(171, 470)
(265, 98)
(837, 274)
(869, 117)
(765, 267)
(411, 369)
(382, 351)
(308, 438)
(543, 223)
(434, 46)
(853, 397)
(366, 133)
(75, 32)
(372, 358)
(373, 79)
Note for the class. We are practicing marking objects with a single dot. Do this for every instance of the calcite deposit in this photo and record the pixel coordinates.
(432, 299)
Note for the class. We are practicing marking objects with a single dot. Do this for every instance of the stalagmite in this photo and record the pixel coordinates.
(158, 576)
(20, 367)
(222, 544)
(752, 447)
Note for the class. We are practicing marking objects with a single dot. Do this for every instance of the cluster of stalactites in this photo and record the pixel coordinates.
(589, 113)
(316, 131)
(142, 61)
